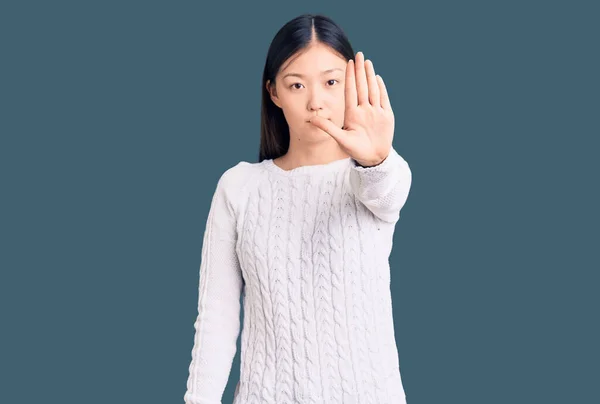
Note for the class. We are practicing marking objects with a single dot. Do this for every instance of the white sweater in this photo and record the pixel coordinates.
(309, 249)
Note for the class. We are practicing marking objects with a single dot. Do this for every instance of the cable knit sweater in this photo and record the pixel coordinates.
(308, 249)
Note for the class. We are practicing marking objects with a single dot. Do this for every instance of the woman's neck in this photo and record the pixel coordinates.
(320, 154)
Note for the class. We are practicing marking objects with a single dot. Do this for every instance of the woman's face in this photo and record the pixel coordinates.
(310, 83)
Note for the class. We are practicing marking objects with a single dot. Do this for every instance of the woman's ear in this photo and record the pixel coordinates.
(273, 93)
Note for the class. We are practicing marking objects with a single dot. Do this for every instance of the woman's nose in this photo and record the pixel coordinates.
(315, 105)
(315, 102)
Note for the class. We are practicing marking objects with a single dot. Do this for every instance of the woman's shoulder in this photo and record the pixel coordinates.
(239, 176)
(241, 171)
(236, 182)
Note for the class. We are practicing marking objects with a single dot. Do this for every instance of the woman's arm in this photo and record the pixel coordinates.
(217, 324)
(383, 188)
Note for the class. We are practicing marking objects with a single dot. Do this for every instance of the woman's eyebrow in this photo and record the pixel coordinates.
(302, 76)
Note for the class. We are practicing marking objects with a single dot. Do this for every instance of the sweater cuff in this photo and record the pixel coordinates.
(382, 188)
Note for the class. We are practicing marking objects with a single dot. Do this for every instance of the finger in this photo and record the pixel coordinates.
(385, 99)
(350, 92)
(361, 80)
(374, 97)
(329, 127)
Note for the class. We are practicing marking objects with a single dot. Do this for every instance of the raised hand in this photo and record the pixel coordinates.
(368, 118)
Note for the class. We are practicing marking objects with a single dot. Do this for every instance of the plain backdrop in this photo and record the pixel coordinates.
(118, 117)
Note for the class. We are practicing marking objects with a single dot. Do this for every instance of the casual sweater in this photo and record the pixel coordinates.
(308, 249)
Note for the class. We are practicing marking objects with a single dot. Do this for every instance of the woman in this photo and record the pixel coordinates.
(305, 235)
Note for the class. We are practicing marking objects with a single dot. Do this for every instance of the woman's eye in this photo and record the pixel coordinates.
(296, 88)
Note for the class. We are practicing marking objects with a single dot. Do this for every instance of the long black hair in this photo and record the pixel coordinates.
(294, 36)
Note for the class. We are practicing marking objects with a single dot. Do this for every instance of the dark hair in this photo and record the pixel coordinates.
(294, 36)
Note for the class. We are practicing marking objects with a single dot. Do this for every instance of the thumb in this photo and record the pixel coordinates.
(326, 125)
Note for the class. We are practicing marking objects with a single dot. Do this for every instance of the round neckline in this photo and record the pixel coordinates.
(308, 169)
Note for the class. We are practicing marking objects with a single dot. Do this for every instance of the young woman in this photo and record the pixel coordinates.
(305, 235)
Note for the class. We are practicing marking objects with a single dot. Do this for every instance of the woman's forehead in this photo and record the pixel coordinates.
(313, 62)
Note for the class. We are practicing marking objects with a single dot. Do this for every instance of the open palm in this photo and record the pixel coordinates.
(368, 118)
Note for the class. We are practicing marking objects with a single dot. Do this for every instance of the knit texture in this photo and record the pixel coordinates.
(308, 249)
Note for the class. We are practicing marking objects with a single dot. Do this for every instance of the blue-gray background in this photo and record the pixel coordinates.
(117, 119)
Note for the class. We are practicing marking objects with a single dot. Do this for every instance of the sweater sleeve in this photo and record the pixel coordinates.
(383, 188)
(217, 325)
